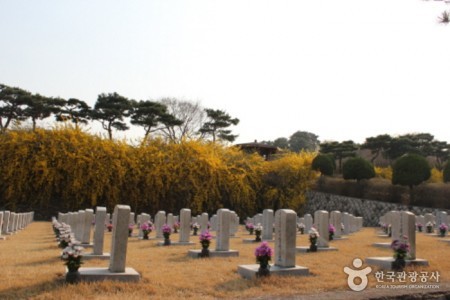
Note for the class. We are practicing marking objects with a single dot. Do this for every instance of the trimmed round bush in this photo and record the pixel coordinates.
(324, 164)
(446, 172)
(410, 170)
(358, 168)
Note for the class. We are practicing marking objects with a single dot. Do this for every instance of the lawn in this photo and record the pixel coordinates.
(31, 268)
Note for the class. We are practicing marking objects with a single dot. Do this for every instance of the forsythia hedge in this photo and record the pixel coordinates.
(67, 169)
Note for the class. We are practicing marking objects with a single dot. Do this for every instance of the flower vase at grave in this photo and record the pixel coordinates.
(257, 236)
(263, 267)
(166, 239)
(302, 230)
(401, 250)
(73, 260)
(398, 264)
(195, 231)
(443, 229)
(145, 237)
(205, 240)
(73, 277)
(166, 231)
(313, 236)
(419, 227)
(263, 255)
(205, 250)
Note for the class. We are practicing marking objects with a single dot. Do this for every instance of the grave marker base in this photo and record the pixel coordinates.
(102, 274)
(172, 243)
(385, 263)
(382, 245)
(249, 271)
(319, 249)
(96, 256)
(214, 253)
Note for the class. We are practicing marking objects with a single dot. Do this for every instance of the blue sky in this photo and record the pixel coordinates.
(345, 69)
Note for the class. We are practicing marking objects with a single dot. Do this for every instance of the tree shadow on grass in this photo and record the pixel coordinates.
(33, 290)
(52, 260)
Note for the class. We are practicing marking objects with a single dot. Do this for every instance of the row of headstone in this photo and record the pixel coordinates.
(403, 226)
(344, 223)
(117, 269)
(390, 219)
(284, 257)
(11, 222)
(80, 223)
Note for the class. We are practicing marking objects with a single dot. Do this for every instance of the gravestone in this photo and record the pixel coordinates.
(267, 234)
(203, 222)
(144, 218)
(395, 225)
(1, 225)
(117, 264)
(99, 233)
(185, 225)
(308, 222)
(336, 220)
(407, 228)
(79, 225)
(6, 216)
(214, 223)
(12, 223)
(346, 222)
(170, 220)
(224, 218)
(284, 252)
(86, 239)
(258, 219)
(160, 220)
(132, 221)
(223, 230)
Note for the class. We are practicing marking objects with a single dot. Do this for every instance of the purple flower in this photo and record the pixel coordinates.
(166, 229)
(263, 250)
(443, 227)
(147, 226)
(205, 236)
(131, 226)
(331, 228)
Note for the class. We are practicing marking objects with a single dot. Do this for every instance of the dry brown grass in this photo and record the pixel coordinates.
(31, 269)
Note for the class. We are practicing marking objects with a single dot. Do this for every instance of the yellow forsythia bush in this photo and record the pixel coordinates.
(385, 173)
(436, 176)
(68, 169)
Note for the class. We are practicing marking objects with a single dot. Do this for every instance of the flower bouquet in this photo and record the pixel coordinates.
(205, 240)
(401, 250)
(73, 260)
(109, 227)
(146, 228)
(250, 227)
(166, 230)
(301, 227)
(419, 227)
(429, 226)
(443, 229)
(195, 227)
(258, 230)
(331, 231)
(313, 236)
(176, 227)
(263, 255)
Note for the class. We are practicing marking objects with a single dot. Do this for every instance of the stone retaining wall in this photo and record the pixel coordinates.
(368, 209)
